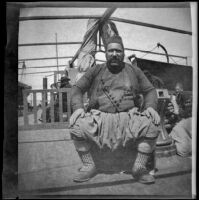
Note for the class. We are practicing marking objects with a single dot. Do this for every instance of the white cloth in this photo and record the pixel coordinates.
(182, 135)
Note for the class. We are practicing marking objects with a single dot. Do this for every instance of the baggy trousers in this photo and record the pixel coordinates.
(114, 130)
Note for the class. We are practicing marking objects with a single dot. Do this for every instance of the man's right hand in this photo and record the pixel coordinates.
(78, 113)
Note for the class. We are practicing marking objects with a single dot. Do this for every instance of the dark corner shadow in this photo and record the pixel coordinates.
(101, 184)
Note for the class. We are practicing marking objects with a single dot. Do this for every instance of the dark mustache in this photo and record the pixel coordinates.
(114, 59)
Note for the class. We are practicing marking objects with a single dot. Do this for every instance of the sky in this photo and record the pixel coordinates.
(73, 30)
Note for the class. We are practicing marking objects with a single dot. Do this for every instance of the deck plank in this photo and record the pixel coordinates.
(48, 168)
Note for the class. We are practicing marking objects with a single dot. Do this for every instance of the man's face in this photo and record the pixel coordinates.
(58, 84)
(114, 54)
(178, 89)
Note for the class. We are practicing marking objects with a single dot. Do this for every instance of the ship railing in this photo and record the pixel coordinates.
(39, 119)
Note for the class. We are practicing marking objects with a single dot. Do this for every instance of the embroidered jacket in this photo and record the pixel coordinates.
(113, 93)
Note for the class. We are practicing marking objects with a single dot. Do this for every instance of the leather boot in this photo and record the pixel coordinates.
(139, 170)
(88, 170)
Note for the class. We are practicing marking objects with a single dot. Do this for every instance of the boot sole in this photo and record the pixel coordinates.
(146, 182)
(86, 179)
(83, 180)
(80, 181)
(140, 180)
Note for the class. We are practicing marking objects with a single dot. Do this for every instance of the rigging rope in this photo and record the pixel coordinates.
(174, 60)
(160, 45)
(179, 60)
(149, 51)
(23, 69)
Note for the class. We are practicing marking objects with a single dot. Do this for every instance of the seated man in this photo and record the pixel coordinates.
(182, 136)
(112, 120)
(180, 122)
(180, 129)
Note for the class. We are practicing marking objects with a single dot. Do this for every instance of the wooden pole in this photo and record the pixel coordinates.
(57, 52)
(87, 4)
(60, 107)
(25, 108)
(52, 109)
(111, 18)
(48, 43)
(35, 107)
(45, 87)
(45, 58)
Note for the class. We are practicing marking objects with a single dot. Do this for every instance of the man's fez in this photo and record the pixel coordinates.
(115, 39)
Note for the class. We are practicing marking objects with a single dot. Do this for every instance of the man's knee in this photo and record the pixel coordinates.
(147, 145)
(80, 143)
(153, 130)
(76, 133)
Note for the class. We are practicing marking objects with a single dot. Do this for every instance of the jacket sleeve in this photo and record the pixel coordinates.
(82, 86)
(76, 98)
(148, 90)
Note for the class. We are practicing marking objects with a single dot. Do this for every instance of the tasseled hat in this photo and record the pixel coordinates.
(115, 39)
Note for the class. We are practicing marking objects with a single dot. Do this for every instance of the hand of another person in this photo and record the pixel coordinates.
(78, 113)
(150, 112)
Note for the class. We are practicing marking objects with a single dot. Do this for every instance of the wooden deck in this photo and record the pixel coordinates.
(47, 163)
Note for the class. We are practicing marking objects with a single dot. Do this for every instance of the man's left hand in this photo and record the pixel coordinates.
(150, 112)
(133, 111)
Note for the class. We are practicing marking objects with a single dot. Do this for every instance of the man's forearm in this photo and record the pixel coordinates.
(150, 99)
(76, 98)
